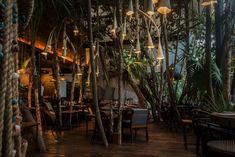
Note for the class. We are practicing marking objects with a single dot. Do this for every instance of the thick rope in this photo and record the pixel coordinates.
(3, 85)
(8, 139)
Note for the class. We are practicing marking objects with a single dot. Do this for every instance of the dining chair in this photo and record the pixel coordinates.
(136, 119)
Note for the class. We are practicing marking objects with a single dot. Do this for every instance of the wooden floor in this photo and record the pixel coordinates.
(75, 143)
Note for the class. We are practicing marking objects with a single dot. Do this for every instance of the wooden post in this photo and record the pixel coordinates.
(94, 83)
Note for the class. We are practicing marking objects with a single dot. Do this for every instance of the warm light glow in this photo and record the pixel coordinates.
(79, 74)
(150, 13)
(155, 1)
(208, 2)
(160, 55)
(124, 29)
(150, 42)
(41, 46)
(62, 79)
(53, 80)
(130, 9)
(164, 10)
(164, 7)
(21, 71)
(75, 30)
(150, 9)
(129, 13)
(44, 53)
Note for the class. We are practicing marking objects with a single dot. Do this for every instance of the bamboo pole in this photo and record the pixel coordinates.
(94, 83)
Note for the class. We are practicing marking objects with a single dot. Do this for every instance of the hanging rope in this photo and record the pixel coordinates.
(7, 138)
(3, 82)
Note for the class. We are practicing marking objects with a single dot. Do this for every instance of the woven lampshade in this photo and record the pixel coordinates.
(150, 41)
(124, 29)
(155, 1)
(208, 2)
(160, 51)
(150, 9)
(113, 30)
(130, 8)
(164, 7)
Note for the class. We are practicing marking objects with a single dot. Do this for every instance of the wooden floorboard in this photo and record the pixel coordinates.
(75, 143)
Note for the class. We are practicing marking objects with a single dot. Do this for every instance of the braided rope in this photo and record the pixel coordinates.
(8, 139)
(3, 85)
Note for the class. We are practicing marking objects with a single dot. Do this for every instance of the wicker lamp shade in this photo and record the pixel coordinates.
(164, 7)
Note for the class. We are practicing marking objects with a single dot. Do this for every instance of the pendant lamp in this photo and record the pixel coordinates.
(130, 9)
(113, 30)
(160, 55)
(137, 49)
(155, 1)
(124, 29)
(164, 7)
(208, 2)
(79, 72)
(150, 10)
(150, 42)
(75, 30)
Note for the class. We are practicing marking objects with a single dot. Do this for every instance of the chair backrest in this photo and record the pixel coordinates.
(140, 116)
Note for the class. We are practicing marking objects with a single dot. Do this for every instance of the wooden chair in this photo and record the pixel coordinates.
(136, 119)
(215, 141)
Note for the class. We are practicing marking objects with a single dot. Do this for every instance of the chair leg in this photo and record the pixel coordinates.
(185, 138)
(146, 133)
(197, 146)
(86, 125)
(131, 135)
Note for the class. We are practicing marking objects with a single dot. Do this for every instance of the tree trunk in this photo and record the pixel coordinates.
(41, 144)
(227, 49)
(57, 86)
(143, 102)
(73, 85)
(168, 79)
(94, 83)
(218, 31)
(208, 54)
(120, 68)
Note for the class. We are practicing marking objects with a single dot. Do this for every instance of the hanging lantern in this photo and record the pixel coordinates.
(155, 1)
(150, 42)
(130, 9)
(208, 2)
(75, 30)
(160, 55)
(124, 29)
(150, 10)
(44, 53)
(113, 30)
(164, 7)
(79, 72)
(87, 50)
(137, 49)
